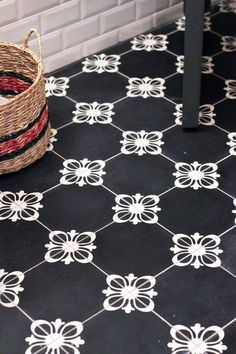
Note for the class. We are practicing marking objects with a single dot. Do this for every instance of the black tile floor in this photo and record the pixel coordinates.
(122, 238)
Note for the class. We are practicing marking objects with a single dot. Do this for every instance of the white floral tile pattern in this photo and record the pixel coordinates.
(196, 175)
(196, 250)
(114, 241)
(227, 6)
(197, 340)
(56, 86)
(150, 42)
(206, 67)
(228, 43)
(69, 247)
(10, 286)
(92, 113)
(129, 293)
(206, 114)
(146, 87)
(136, 209)
(206, 24)
(20, 206)
(101, 63)
(232, 143)
(83, 172)
(53, 337)
(52, 139)
(234, 211)
(141, 143)
(230, 89)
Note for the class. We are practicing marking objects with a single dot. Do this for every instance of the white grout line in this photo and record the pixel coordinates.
(100, 269)
(56, 153)
(127, 51)
(120, 99)
(74, 75)
(225, 131)
(25, 314)
(161, 318)
(37, 265)
(227, 271)
(167, 99)
(172, 126)
(42, 224)
(167, 191)
(164, 270)
(223, 159)
(49, 189)
(229, 323)
(112, 157)
(105, 226)
(165, 228)
(94, 315)
(65, 125)
(170, 52)
(108, 189)
(221, 100)
(172, 32)
(216, 13)
(71, 99)
(216, 33)
(215, 55)
(120, 73)
(226, 231)
(219, 189)
(219, 77)
(168, 158)
(174, 74)
(115, 126)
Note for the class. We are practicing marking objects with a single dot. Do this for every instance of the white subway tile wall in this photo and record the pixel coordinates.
(72, 29)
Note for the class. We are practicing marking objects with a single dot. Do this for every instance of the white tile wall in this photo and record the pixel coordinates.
(148, 7)
(118, 17)
(60, 16)
(92, 7)
(72, 29)
(8, 11)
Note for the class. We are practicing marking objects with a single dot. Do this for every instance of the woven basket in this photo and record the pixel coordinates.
(24, 125)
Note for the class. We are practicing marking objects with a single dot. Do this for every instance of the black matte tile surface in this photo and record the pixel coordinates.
(122, 238)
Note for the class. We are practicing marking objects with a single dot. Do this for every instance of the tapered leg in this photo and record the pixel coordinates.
(194, 12)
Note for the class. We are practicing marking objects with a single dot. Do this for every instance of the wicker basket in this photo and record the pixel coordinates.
(24, 125)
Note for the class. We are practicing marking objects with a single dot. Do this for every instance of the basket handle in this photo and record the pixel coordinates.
(26, 40)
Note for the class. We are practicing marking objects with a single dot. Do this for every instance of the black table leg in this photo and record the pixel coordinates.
(194, 13)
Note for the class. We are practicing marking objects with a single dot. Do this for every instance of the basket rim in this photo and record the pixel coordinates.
(39, 73)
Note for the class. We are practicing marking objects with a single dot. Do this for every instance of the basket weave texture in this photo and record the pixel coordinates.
(24, 125)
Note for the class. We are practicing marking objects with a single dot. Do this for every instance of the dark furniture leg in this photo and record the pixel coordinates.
(207, 6)
(194, 13)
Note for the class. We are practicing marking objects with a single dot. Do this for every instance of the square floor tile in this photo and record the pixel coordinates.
(105, 87)
(189, 211)
(152, 64)
(139, 174)
(79, 285)
(90, 141)
(200, 296)
(136, 113)
(41, 175)
(60, 111)
(70, 207)
(225, 115)
(123, 248)
(211, 43)
(189, 146)
(118, 332)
